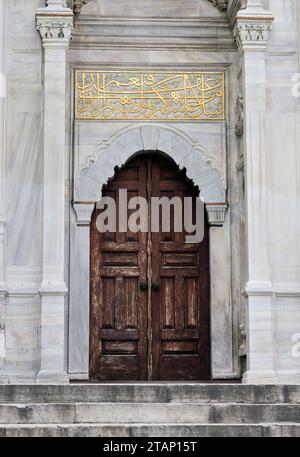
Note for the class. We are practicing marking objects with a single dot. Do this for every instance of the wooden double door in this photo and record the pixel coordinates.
(149, 291)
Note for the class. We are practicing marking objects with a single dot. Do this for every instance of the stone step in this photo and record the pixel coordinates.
(148, 413)
(146, 430)
(150, 393)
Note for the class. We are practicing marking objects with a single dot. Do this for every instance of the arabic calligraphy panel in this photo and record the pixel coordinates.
(163, 96)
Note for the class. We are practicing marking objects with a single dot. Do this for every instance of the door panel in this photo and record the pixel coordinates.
(118, 343)
(180, 307)
(162, 333)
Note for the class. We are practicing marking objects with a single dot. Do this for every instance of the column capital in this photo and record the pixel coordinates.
(216, 213)
(252, 27)
(55, 25)
(84, 211)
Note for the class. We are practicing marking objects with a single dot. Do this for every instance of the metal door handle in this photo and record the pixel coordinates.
(144, 285)
(155, 285)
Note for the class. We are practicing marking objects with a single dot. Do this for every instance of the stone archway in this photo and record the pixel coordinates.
(90, 177)
(97, 169)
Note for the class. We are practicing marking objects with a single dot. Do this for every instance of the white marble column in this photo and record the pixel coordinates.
(55, 24)
(3, 290)
(251, 32)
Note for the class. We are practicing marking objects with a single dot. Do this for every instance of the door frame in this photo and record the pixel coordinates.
(150, 344)
(87, 191)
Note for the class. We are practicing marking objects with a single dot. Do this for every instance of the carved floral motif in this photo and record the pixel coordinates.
(76, 5)
(252, 33)
(239, 116)
(55, 28)
(220, 4)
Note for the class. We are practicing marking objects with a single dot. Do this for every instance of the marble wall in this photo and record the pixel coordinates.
(23, 190)
(283, 182)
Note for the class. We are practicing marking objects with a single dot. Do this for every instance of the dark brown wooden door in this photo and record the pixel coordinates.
(180, 304)
(159, 333)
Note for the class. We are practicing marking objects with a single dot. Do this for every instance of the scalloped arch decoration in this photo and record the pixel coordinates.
(121, 147)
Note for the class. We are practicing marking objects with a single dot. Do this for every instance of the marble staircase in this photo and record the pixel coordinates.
(150, 409)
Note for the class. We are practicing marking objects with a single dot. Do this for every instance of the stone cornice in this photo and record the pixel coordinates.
(76, 5)
(199, 33)
(222, 5)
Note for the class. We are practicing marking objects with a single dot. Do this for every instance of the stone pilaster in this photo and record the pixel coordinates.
(220, 301)
(3, 294)
(3, 288)
(55, 25)
(79, 315)
(251, 32)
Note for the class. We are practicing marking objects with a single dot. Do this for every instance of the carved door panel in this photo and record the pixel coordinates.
(180, 297)
(118, 334)
(161, 333)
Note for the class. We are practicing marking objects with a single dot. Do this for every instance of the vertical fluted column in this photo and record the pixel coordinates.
(55, 24)
(251, 32)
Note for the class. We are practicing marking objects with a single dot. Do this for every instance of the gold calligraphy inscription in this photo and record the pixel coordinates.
(132, 95)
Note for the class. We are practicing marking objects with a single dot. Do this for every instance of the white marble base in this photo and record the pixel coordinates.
(52, 377)
(260, 377)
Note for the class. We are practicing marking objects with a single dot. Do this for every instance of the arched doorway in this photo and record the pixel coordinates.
(149, 293)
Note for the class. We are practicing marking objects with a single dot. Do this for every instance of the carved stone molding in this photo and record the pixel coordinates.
(76, 5)
(216, 213)
(252, 27)
(242, 340)
(55, 30)
(83, 212)
(220, 4)
(240, 165)
(90, 177)
(239, 116)
(252, 34)
(55, 23)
